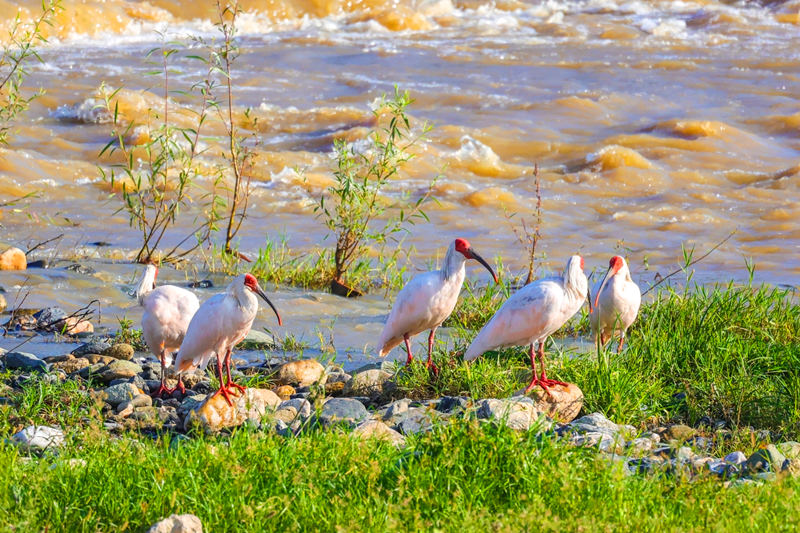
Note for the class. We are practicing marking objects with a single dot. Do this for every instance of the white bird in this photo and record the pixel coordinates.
(533, 313)
(616, 302)
(427, 300)
(220, 324)
(167, 312)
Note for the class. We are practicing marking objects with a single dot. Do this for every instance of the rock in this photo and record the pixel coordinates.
(386, 366)
(49, 317)
(517, 413)
(285, 392)
(39, 263)
(94, 358)
(119, 351)
(371, 383)
(680, 432)
(345, 411)
(335, 389)
(140, 400)
(640, 446)
(71, 365)
(792, 467)
(39, 438)
(374, 429)
(415, 421)
(24, 361)
(562, 404)
(96, 347)
(764, 459)
(338, 376)
(790, 449)
(3, 303)
(184, 523)
(301, 373)
(75, 326)
(13, 259)
(684, 454)
(214, 413)
(119, 369)
(300, 405)
(259, 338)
(121, 393)
(735, 458)
(80, 269)
(604, 441)
(396, 410)
(594, 422)
(450, 404)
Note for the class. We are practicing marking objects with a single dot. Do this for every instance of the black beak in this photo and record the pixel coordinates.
(482, 261)
(264, 296)
(609, 273)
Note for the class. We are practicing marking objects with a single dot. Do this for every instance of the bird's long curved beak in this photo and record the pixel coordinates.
(476, 256)
(610, 272)
(264, 297)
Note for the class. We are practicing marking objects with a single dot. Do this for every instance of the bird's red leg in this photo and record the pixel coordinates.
(534, 378)
(180, 385)
(222, 390)
(543, 381)
(408, 349)
(621, 342)
(163, 388)
(430, 364)
(230, 383)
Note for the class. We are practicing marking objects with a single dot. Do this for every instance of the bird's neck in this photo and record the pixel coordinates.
(576, 285)
(453, 267)
(145, 285)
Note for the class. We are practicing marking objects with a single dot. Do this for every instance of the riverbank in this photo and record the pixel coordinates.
(695, 405)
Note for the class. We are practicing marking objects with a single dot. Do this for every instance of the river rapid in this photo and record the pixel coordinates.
(653, 124)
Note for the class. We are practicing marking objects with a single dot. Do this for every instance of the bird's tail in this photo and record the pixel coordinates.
(389, 345)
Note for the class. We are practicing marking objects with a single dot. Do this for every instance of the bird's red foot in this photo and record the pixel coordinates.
(432, 368)
(161, 391)
(180, 387)
(225, 393)
(545, 384)
(230, 384)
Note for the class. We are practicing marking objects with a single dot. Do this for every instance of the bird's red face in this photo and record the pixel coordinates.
(250, 282)
(582, 263)
(615, 264)
(463, 247)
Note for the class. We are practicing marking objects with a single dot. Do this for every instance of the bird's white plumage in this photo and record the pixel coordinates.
(424, 302)
(167, 313)
(618, 304)
(221, 322)
(535, 311)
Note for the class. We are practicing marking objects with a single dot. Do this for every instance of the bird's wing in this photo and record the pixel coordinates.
(411, 312)
(530, 313)
(203, 336)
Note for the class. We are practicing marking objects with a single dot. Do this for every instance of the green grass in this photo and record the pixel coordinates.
(463, 478)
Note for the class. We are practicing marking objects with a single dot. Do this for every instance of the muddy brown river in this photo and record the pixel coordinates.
(654, 124)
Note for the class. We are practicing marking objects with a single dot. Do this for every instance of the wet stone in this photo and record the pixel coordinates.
(119, 351)
(453, 404)
(49, 317)
(24, 361)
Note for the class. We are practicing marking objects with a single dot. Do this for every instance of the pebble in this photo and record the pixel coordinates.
(24, 361)
(375, 429)
(416, 420)
(121, 393)
(346, 411)
(452, 404)
(735, 458)
(95, 347)
(71, 365)
(285, 392)
(13, 259)
(119, 369)
(301, 373)
(371, 383)
(119, 351)
(184, 523)
(39, 438)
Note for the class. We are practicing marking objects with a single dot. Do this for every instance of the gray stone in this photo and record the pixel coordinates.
(141, 400)
(119, 369)
(790, 449)
(450, 404)
(259, 339)
(371, 383)
(684, 454)
(49, 317)
(415, 420)
(375, 429)
(342, 411)
(396, 410)
(604, 441)
(39, 438)
(338, 376)
(96, 347)
(765, 459)
(735, 458)
(640, 446)
(184, 523)
(594, 422)
(717, 466)
(516, 413)
(386, 366)
(24, 361)
(300, 405)
(121, 393)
